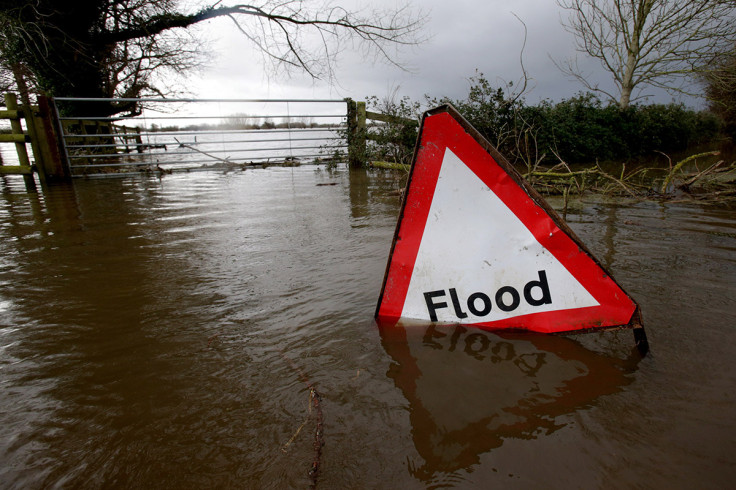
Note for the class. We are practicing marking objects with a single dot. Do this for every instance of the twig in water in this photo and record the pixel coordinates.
(666, 156)
(618, 181)
(306, 419)
(679, 165)
(184, 145)
(315, 401)
(318, 438)
(705, 172)
(209, 341)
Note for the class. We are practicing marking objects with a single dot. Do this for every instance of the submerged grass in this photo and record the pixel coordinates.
(716, 182)
(697, 177)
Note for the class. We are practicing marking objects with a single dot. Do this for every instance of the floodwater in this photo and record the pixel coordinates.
(165, 333)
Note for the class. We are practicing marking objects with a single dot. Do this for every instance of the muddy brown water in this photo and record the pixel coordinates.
(156, 333)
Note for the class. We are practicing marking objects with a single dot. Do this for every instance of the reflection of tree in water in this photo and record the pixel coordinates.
(469, 389)
(110, 309)
(371, 187)
(359, 195)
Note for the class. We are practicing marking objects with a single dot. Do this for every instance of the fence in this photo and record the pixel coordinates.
(40, 133)
(187, 134)
(168, 135)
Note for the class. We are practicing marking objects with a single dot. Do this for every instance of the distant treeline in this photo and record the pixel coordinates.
(580, 129)
(243, 121)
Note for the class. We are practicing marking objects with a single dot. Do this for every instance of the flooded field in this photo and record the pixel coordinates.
(166, 333)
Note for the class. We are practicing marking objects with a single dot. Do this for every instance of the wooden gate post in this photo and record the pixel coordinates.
(356, 133)
(52, 154)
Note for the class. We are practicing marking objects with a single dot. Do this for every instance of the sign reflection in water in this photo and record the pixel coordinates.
(470, 389)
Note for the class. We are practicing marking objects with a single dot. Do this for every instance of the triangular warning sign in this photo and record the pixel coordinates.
(476, 245)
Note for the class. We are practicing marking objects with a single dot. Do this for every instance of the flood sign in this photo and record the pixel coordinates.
(475, 244)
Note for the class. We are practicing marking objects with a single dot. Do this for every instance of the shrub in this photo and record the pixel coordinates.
(393, 141)
(580, 129)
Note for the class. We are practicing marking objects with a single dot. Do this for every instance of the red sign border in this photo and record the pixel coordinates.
(444, 128)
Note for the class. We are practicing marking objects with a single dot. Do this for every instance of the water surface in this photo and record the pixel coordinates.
(165, 332)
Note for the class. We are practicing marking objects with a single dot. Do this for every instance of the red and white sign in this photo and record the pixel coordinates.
(476, 245)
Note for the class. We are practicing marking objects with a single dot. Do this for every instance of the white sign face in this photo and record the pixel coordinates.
(478, 262)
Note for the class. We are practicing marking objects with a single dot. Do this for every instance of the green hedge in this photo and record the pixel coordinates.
(581, 129)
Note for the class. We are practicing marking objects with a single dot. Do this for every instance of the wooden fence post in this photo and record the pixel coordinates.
(356, 133)
(19, 137)
(351, 130)
(138, 140)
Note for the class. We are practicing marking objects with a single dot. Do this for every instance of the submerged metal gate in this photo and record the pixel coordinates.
(191, 134)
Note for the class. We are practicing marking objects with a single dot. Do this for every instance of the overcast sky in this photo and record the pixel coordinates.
(465, 35)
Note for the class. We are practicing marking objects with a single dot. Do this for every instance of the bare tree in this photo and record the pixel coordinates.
(720, 87)
(106, 48)
(647, 43)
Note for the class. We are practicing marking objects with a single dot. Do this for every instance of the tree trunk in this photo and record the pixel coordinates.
(625, 100)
